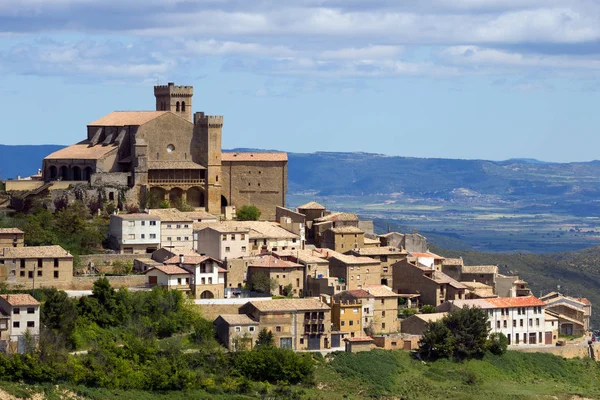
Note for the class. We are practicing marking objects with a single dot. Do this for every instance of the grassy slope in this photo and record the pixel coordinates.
(577, 272)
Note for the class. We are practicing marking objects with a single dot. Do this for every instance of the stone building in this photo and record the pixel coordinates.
(356, 272)
(387, 256)
(237, 332)
(37, 266)
(11, 237)
(169, 155)
(283, 272)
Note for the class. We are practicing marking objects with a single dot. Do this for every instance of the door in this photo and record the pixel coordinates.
(548, 338)
(335, 340)
(152, 280)
(314, 342)
(407, 345)
(532, 338)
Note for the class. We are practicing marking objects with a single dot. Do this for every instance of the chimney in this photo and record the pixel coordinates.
(181, 259)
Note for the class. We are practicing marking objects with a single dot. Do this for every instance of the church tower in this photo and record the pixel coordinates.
(209, 131)
(177, 99)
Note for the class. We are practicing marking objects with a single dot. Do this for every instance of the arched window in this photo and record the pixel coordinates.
(177, 106)
(183, 106)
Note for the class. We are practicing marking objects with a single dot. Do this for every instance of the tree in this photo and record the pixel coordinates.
(428, 309)
(437, 341)
(248, 213)
(265, 338)
(59, 313)
(261, 282)
(288, 290)
(497, 343)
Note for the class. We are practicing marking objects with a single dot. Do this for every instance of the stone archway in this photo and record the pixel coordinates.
(52, 171)
(175, 195)
(195, 197)
(224, 201)
(76, 173)
(207, 294)
(87, 174)
(63, 172)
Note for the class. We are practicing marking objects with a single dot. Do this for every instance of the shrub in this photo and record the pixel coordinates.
(248, 213)
(497, 343)
(428, 309)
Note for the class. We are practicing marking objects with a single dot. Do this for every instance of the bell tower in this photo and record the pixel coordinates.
(177, 99)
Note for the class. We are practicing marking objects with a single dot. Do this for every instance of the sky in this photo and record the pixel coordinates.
(477, 79)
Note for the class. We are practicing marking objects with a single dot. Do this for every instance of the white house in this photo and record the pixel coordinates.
(21, 314)
(222, 241)
(170, 276)
(134, 233)
(207, 275)
(176, 228)
(521, 319)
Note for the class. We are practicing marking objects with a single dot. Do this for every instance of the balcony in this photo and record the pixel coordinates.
(176, 181)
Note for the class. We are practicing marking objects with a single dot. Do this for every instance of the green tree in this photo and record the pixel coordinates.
(261, 282)
(497, 343)
(59, 313)
(248, 213)
(437, 341)
(265, 338)
(288, 290)
(428, 309)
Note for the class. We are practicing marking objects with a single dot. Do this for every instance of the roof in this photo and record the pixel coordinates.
(170, 215)
(475, 285)
(137, 217)
(354, 260)
(355, 339)
(380, 291)
(525, 301)
(479, 269)
(10, 230)
(200, 215)
(290, 305)
(35, 252)
(268, 261)
(585, 301)
(426, 255)
(20, 300)
(452, 261)
(174, 164)
(219, 227)
(81, 151)
(338, 216)
(125, 118)
(310, 256)
(378, 251)
(169, 270)
(255, 229)
(311, 205)
(254, 156)
(346, 229)
(238, 319)
(480, 303)
(189, 259)
(433, 317)
(369, 240)
(440, 277)
(358, 293)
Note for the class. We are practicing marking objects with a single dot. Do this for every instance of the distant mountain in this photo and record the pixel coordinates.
(23, 160)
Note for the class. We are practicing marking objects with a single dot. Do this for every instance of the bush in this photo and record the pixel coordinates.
(274, 365)
(497, 343)
(428, 309)
(248, 213)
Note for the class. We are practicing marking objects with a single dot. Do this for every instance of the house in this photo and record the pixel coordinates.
(287, 274)
(358, 344)
(411, 242)
(367, 301)
(171, 277)
(20, 314)
(200, 216)
(433, 286)
(296, 324)
(417, 324)
(292, 221)
(237, 273)
(36, 266)
(207, 276)
(315, 263)
(343, 238)
(333, 220)
(552, 324)
(385, 308)
(176, 231)
(428, 259)
(386, 255)
(520, 319)
(324, 285)
(346, 316)
(356, 272)
(311, 211)
(236, 331)
(134, 233)
(477, 290)
(573, 313)
(397, 341)
(222, 241)
(11, 237)
(485, 274)
(511, 286)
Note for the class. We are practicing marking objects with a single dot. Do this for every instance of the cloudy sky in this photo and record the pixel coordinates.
(492, 79)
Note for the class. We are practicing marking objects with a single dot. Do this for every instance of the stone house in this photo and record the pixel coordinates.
(208, 278)
(171, 277)
(385, 308)
(134, 233)
(346, 316)
(222, 241)
(11, 237)
(296, 324)
(237, 332)
(387, 256)
(417, 324)
(36, 266)
(285, 273)
(433, 286)
(411, 242)
(573, 313)
(356, 272)
(176, 231)
(333, 220)
(19, 314)
(343, 238)
(358, 344)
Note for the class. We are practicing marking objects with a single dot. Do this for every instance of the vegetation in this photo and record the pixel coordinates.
(261, 282)
(248, 213)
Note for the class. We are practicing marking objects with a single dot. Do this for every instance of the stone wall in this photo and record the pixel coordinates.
(87, 282)
(568, 351)
(102, 261)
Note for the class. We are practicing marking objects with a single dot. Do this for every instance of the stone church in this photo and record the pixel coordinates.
(174, 155)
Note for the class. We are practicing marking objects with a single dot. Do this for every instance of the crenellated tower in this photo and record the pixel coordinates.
(177, 99)
(209, 130)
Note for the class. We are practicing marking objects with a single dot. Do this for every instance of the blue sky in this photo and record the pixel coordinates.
(490, 79)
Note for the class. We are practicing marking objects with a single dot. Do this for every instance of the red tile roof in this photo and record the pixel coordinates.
(525, 301)
(359, 293)
(359, 339)
(20, 300)
(427, 255)
(169, 270)
(268, 261)
(585, 301)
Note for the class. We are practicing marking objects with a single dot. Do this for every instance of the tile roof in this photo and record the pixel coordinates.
(481, 303)
(200, 215)
(440, 277)
(433, 317)
(427, 255)
(125, 118)
(268, 261)
(338, 216)
(238, 319)
(255, 229)
(290, 305)
(311, 205)
(525, 301)
(82, 151)
(35, 252)
(190, 259)
(358, 339)
(585, 301)
(10, 230)
(137, 217)
(475, 285)
(254, 156)
(358, 293)
(380, 291)
(353, 260)
(346, 229)
(369, 240)
(378, 251)
(480, 269)
(170, 215)
(169, 270)
(174, 164)
(20, 300)
(311, 256)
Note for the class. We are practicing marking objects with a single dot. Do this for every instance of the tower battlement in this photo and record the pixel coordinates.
(213, 121)
(173, 90)
(177, 99)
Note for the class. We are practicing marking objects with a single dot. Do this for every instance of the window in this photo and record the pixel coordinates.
(243, 248)
(505, 324)
(143, 223)
(383, 325)
(30, 274)
(186, 226)
(516, 338)
(131, 223)
(131, 236)
(31, 324)
(22, 273)
(56, 263)
(179, 238)
(152, 223)
(169, 238)
(521, 322)
(22, 263)
(55, 274)
(227, 249)
(355, 310)
(16, 324)
(382, 301)
(168, 226)
(40, 263)
(537, 322)
(153, 236)
(342, 311)
(238, 328)
(233, 236)
(502, 311)
(251, 329)
(385, 269)
(224, 237)
(178, 226)
(278, 329)
(301, 340)
(530, 321)
(358, 277)
(351, 323)
(39, 272)
(497, 324)
(16, 310)
(242, 236)
(186, 238)
(143, 236)
(343, 323)
(514, 323)
(383, 314)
